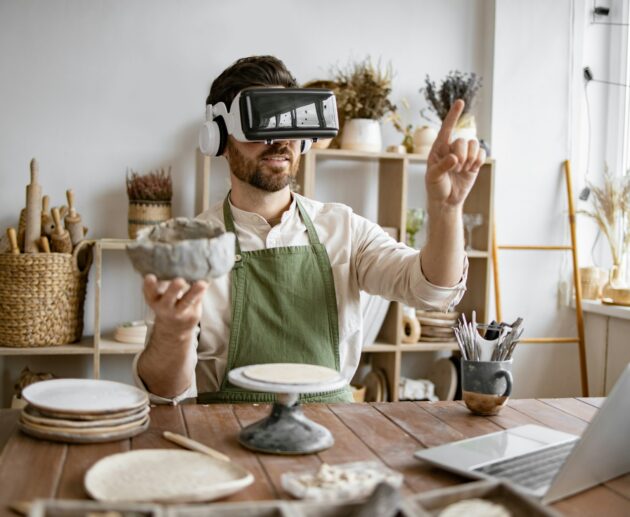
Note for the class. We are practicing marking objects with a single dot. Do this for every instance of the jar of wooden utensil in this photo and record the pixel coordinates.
(42, 296)
(144, 214)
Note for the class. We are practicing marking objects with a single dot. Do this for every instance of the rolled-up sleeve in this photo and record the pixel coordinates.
(391, 269)
(191, 392)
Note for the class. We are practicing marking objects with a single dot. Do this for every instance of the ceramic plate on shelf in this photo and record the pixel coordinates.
(31, 414)
(84, 396)
(163, 475)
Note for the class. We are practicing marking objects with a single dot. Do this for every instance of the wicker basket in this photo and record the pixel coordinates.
(41, 297)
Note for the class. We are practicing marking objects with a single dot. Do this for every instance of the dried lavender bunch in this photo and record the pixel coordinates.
(456, 85)
(154, 186)
(363, 90)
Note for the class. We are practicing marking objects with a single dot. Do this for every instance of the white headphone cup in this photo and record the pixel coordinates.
(209, 138)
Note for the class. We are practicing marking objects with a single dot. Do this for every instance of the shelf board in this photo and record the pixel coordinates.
(83, 347)
(430, 346)
(422, 346)
(110, 346)
(477, 254)
(341, 154)
(114, 244)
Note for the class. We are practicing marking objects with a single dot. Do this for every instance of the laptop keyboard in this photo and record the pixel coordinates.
(533, 470)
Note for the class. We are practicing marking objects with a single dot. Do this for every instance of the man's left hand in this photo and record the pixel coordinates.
(452, 167)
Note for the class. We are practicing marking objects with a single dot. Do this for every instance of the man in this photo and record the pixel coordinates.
(294, 294)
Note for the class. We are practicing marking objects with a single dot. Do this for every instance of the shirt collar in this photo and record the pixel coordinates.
(244, 217)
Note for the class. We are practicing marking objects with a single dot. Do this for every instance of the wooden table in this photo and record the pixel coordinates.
(385, 432)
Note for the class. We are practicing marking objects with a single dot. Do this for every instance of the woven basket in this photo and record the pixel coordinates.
(143, 214)
(41, 297)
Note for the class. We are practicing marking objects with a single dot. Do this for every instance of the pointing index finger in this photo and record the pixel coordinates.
(451, 119)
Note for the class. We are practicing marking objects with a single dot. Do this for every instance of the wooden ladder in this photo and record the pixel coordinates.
(576, 284)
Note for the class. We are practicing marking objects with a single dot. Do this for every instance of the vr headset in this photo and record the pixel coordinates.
(268, 114)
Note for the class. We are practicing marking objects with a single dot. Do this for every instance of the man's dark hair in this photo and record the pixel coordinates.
(246, 72)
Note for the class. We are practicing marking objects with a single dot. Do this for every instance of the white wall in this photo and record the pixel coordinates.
(92, 88)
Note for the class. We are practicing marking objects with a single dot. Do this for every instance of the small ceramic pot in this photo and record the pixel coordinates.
(362, 134)
(423, 138)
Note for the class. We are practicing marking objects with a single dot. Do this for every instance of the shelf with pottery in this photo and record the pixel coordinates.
(97, 344)
(387, 352)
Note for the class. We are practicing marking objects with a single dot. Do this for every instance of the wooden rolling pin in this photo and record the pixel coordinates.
(12, 235)
(73, 221)
(33, 224)
(48, 225)
(60, 241)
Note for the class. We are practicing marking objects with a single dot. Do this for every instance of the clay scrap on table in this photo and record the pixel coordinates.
(182, 247)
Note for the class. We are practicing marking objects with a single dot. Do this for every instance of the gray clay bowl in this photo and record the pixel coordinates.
(181, 247)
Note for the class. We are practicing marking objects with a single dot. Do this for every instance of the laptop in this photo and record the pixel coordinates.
(543, 462)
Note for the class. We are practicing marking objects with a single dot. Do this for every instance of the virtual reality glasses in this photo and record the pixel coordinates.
(267, 114)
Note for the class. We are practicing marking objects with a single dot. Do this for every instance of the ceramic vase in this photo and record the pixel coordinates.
(423, 138)
(362, 134)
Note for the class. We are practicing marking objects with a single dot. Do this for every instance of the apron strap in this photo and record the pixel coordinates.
(312, 234)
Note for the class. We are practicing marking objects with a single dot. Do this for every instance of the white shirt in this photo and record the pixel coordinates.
(362, 256)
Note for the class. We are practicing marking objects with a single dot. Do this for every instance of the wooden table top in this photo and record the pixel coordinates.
(385, 432)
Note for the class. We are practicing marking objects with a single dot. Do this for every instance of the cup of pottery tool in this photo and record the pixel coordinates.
(33, 223)
(73, 221)
(486, 385)
(60, 239)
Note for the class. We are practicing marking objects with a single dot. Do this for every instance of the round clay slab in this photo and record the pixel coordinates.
(290, 373)
(163, 475)
(84, 396)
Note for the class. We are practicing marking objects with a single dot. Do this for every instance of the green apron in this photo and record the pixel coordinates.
(284, 310)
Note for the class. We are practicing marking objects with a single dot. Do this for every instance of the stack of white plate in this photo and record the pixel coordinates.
(131, 332)
(437, 326)
(84, 410)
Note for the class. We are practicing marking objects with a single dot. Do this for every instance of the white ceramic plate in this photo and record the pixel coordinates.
(90, 396)
(163, 475)
(290, 373)
(31, 414)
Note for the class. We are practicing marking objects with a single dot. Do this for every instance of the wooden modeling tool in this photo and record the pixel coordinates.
(60, 241)
(44, 245)
(13, 241)
(21, 228)
(48, 225)
(73, 220)
(33, 223)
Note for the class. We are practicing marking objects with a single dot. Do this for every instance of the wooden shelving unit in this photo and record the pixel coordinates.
(387, 352)
(97, 344)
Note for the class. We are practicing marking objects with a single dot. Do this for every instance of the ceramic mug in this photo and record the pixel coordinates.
(486, 385)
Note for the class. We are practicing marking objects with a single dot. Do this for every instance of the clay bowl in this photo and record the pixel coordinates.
(181, 247)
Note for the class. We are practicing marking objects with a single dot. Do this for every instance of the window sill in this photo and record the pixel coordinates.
(612, 311)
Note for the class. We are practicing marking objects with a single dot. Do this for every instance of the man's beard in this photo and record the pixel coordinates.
(259, 174)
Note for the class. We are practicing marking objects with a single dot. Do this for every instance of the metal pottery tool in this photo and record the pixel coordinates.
(61, 242)
(286, 430)
(497, 344)
(33, 223)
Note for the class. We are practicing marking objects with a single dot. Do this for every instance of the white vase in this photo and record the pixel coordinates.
(423, 138)
(466, 129)
(362, 134)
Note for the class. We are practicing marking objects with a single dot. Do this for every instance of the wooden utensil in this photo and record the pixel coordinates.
(48, 225)
(33, 225)
(13, 241)
(21, 228)
(44, 245)
(60, 241)
(73, 220)
(194, 445)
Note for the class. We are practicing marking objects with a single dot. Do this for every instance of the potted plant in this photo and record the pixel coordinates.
(611, 212)
(363, 99)
(456, 85)
(149, 199)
